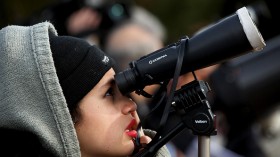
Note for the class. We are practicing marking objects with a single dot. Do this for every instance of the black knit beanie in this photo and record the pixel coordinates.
(79, 66)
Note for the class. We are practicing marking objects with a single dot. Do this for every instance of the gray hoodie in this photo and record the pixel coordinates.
(31, 98)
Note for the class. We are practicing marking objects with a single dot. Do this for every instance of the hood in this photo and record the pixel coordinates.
(31, 97)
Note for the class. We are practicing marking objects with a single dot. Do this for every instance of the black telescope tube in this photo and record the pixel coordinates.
(230, 37)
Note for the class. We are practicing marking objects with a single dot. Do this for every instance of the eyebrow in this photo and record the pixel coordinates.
(109, 82)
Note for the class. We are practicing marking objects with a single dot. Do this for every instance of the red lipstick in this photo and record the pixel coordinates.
(130, 131)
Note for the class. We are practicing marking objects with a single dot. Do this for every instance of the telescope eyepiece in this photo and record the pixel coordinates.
(126, 81)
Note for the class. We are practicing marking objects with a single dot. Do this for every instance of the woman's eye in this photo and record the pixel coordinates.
(109, 92)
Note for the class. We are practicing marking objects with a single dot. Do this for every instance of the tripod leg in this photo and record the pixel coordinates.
(203, 146)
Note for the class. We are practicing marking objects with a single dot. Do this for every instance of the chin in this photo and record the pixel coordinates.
(125, 151)
(128, 145)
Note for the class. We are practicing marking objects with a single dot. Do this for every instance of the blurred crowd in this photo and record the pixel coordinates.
(127, 31)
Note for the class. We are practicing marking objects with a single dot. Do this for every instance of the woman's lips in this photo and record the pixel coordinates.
(130, 131)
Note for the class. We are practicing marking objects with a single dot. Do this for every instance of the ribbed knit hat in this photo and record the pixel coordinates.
(79, 66)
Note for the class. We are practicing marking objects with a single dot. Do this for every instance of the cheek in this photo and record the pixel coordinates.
(99, 132)
(96, 125)
(101, 128)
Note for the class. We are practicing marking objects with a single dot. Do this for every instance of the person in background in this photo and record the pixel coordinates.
(129, 42)
(94, 19)
(58, 98)
(88, 19)
(137, 36)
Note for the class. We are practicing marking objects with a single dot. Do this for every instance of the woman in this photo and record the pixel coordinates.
(58, 98)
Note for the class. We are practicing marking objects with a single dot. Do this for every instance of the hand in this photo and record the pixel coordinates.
(144, 140)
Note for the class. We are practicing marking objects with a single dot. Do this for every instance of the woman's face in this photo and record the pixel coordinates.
(107, 121)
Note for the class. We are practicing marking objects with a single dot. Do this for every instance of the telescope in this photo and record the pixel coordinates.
(230, 37)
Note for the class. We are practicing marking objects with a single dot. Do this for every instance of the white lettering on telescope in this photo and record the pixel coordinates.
(200, 121)
(157, 59)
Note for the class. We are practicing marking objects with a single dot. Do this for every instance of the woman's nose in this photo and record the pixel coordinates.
(129, 106)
